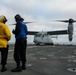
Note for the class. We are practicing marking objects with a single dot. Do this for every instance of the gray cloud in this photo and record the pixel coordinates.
(42, 11)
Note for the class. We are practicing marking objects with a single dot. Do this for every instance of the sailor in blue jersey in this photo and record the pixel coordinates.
(20, 44)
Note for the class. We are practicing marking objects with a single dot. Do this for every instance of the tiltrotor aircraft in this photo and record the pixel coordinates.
(43, 37)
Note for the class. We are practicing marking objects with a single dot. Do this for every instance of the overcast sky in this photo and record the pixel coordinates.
(41, 11)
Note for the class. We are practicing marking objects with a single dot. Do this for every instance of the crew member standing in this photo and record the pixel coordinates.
(5, 36)
(20, 44)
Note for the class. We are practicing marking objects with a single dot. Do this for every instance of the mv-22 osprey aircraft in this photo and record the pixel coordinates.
(43, 38)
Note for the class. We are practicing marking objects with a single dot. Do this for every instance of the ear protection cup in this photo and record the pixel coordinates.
(3, 19)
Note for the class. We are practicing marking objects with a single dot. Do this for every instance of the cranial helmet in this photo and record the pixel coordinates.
(18, 17)
(3, 19)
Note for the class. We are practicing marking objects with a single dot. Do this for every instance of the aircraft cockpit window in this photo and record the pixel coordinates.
(37, 35)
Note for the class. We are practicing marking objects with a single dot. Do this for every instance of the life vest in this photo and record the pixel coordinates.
(5, 35)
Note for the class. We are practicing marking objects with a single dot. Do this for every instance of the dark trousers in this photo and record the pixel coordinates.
(20, 50)
(4, 55)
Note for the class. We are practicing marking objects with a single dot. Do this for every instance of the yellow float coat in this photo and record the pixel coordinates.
(5, 35)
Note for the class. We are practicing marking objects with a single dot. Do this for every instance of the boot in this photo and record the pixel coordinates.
(3, 69)
(17, 69)
(23, 66)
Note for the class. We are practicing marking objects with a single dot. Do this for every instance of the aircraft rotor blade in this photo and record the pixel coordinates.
(66, 21)
(24, 22)
(13, 24)
(27, 22)
(74, 21)
(62, 21)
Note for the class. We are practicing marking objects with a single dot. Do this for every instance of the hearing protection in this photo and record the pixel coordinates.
(3, 19)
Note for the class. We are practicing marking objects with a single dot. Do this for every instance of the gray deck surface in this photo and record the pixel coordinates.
(45, 60)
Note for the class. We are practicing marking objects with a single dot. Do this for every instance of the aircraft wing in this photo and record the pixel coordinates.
(60, 32)
(32, 32)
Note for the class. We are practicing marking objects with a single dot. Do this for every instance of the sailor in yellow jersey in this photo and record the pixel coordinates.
(5, 36)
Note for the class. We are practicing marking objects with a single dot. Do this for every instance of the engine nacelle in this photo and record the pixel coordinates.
(70, 32)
